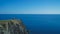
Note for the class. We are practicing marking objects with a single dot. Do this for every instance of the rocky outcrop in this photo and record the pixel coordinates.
(12, 27)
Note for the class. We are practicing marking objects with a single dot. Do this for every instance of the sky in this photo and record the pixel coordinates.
(29, 6)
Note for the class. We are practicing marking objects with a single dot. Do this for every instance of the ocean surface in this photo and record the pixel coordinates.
(38, 23)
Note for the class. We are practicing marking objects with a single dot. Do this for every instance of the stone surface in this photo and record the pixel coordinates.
(13, 26)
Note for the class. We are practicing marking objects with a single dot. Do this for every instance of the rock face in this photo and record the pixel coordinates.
(13, 26)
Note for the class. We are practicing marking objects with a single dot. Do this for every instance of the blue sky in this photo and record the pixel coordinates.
(29, 6)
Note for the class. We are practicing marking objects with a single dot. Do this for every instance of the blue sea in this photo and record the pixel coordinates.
(37, 23)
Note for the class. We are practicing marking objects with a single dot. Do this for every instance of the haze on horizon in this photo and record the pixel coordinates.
(29, 6)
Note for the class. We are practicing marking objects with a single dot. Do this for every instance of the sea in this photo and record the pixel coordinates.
(37, 23)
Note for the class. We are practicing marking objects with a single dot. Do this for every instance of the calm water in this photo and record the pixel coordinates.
(38, 23)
